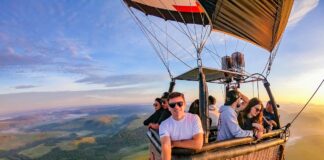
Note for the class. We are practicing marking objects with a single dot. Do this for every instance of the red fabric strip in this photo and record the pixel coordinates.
(193, 9)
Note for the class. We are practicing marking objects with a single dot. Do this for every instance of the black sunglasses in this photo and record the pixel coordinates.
(258, 109)
(172, 105)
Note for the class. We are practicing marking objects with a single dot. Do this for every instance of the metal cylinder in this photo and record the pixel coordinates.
(238, 61)
(227, 63)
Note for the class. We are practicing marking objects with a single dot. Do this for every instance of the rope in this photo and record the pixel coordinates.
(148, 31)
(289, 124)
(258, 89)
(210, 53)
(156, 50)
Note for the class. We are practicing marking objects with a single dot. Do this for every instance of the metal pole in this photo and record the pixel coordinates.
(272, 101)
(172, 84)
(203, 101)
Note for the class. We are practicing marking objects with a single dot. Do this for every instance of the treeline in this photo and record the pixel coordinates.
(106, 148)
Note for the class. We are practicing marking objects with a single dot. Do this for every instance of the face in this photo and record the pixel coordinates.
(177, 107)
(269, 107)
(165, 103)
(156, 105)
(255, 110)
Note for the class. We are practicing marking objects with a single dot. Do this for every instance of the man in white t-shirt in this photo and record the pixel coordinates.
(182, 129)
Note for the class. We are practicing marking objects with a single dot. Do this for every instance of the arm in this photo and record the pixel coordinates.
(234, 127)
(195, 143)
(154, 126)
(245, 101)
(164, 115)
(152, 119)
(166, 148)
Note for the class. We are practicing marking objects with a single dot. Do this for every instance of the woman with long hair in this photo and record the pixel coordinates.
(156, 115)
(252, 116)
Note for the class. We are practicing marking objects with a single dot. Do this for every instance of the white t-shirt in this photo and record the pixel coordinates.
(214, 115)
(183, 129)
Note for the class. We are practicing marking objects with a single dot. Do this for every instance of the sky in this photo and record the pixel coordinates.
(56, 54)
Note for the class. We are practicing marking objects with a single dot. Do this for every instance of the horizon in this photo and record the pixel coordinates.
(60, 55)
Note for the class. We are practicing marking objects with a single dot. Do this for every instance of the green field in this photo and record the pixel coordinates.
(12, 141)
(37, 151)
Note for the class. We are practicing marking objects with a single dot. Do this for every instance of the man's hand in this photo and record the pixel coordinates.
(273, 123)
(195, 143)
(153, 126)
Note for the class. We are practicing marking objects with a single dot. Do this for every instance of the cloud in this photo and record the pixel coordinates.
(24, 86)
(40, 100)
(121, 80)
(73, 48)
(58, 54)
(300, 9)
(9, 57)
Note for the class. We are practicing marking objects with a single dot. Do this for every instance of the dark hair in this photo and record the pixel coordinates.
(176, 94)
(254, 101)
(231, 97)
(165, 95)
(194, 107)
(211, 100)
(159, 100)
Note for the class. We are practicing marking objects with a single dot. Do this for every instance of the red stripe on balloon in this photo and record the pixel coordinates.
(194, 9)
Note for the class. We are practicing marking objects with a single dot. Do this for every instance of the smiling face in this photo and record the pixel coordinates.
(165, 103)
(177, 107)
(255, 110)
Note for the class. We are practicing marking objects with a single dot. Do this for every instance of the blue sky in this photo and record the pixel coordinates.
(75, 53)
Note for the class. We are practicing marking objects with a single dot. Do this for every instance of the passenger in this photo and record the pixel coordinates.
(165, 113)
(194, 107)
(156, 115)
(269, 117)
(252, 116)
(213, 111)
(182, 129)
(228, 126)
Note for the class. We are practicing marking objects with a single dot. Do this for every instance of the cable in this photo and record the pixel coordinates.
(289, 124)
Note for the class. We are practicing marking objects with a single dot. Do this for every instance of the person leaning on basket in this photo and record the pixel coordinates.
(181, 129)
(228, 127)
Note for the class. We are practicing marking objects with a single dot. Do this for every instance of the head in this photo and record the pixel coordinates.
(211, 100)
(177, 105)
(232, 98)
(164, 98)
(157, 103)
(254, 109)
(269, 107)
(194, 107)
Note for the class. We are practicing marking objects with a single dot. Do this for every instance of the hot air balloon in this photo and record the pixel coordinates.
(182, 29)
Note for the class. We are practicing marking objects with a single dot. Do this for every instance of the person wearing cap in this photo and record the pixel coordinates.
(228, 127)
(269, 117)
(181, 129)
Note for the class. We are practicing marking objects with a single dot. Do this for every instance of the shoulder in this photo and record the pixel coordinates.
(193, 118)
(165, 123)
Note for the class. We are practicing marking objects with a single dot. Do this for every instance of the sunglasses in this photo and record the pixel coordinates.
(155, 104)
(172, 105)
(258, 109)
